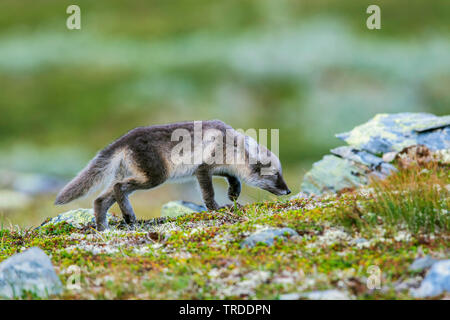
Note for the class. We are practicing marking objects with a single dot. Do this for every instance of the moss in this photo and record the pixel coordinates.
(198, 256)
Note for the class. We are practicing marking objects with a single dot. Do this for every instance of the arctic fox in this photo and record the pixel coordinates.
(146, 157)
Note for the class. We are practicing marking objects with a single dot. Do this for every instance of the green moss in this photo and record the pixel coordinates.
(198, 256)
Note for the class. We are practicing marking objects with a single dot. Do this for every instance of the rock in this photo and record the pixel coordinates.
(389, 156)
(325, 295)
(372, 146)
(408, 284)
(267, 236)
(394, 132)
(179, 208)
(443, 156)
(436, 282)
(421, 264)
(362, 243)
(300, 195)
(373, 163)
(29, 271)
(356, 155)
(316, 295)
(78, 218)
(332, 174)
(13, 200)
(290, 296)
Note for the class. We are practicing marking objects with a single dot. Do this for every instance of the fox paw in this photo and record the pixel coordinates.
(231, 206)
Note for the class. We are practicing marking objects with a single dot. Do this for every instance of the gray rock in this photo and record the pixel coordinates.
(363, 157)
(29, 271)
(179, 208)
(408, 284)
(325, 295)
(422, 263)
(361, 241)
(352, 166)
(267, 236)
(436, 282)
(300, 195)
(373, 163)
(394, 132)
(78, 218)
(332, 174)
(290, 296)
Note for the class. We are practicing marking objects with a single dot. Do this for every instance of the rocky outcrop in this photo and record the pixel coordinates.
(371, 148)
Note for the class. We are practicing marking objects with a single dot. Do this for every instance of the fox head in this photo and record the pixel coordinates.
(266, 173)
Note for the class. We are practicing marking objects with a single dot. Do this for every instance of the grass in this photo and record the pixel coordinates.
(417, 197)
(199, 256)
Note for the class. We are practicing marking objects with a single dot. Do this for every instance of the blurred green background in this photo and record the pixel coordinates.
(309, 68)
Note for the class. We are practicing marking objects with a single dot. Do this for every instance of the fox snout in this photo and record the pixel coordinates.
(282, 192)
(279, 192)
(282, 186)
(279, 187)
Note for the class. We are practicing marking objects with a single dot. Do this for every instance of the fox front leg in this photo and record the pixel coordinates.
(234, 187)
(205, 182)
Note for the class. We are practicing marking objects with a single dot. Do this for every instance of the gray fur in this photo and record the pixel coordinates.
(141, 159)
(83, 183)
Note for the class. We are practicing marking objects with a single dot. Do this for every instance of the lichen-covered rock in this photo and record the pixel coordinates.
(372, 146)
(436, 282)
(29, 271)
(410, 283)
(372, 162)
(78, 218)
(394, 132)
(179, 208)
(421, 264)
(332, 174)
(363, 157)
(267, 236)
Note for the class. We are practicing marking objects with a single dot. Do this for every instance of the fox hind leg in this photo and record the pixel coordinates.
(121, 191)
(101, 206)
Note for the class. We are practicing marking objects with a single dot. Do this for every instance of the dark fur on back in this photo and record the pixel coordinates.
(146, 144)
(141, 159)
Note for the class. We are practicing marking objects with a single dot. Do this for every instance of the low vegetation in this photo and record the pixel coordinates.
(199, 256)
(416, 198)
